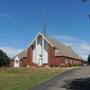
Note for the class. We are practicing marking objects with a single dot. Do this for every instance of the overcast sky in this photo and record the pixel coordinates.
(66, 20)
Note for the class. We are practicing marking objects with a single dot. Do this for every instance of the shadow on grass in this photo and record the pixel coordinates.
(77, 84)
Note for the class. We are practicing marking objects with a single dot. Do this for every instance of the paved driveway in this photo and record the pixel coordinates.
(76, 79)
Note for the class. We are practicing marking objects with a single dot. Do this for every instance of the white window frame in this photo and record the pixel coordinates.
(66, 61)
(57, 51)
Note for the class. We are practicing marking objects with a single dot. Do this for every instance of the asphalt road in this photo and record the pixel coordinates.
(75, 79)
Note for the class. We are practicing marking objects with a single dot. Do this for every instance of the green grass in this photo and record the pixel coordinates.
(25, 78)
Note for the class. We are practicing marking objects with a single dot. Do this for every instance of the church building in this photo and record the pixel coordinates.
(46, 51)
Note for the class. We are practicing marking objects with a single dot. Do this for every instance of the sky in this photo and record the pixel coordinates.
(66, 21)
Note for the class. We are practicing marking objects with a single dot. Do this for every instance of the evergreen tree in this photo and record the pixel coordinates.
(4, 59)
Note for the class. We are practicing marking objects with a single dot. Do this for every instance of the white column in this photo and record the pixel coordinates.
(36, 50)
(42, 49)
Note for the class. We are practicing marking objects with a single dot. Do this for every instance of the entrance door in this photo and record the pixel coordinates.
(16, 62)
(40, 61)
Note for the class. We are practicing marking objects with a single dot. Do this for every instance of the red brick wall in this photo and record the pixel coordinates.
(28, 60)
(51, 55)
(11, 63)
(30, 56)
(24, 62)
(60, 61)
(52, 59)
(73, 61)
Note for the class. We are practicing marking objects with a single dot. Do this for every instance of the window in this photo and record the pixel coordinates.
(66, 61)
(24, 57)
(70, 61)
(17, 61)
(57, 51)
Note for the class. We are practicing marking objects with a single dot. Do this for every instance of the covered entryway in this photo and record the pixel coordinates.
(16, 62)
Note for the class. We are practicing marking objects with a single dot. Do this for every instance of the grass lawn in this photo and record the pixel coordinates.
(25, 78)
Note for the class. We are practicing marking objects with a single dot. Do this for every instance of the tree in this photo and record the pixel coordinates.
(84, 2)
(4, 59)
(89, 59)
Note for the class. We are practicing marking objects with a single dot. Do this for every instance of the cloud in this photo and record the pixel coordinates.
(85, 46)
(11, 52)
(79, 46)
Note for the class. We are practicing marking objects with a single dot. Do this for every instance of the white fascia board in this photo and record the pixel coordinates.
(43, 37)
(17, 58)
(33, 40)
(47, 40)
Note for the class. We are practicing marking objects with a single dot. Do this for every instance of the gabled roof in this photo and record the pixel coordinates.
(64, 50)
(44, 36)
(21, 54)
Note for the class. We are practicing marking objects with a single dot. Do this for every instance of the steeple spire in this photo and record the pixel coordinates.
(44, 22)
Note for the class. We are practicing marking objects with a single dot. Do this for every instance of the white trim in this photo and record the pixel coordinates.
(35, 50)
(47, 40)
(42, 49)
(43, 37)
